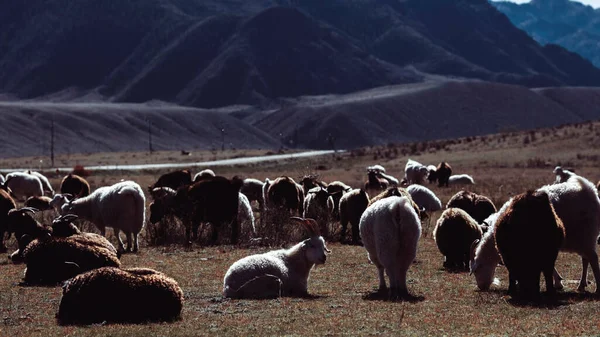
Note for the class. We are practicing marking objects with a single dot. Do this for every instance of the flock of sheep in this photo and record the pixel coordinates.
(385, 216)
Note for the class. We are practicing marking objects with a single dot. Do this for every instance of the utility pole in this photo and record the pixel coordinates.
(150, 149)
(52, 141)
(222, 139)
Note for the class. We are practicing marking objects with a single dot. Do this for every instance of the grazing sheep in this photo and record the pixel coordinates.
(460, 179)
(562, 175)
(75, 185)
(213, 200)
(245, 216)
(309, 182)
(173, 180)
(375, 184)
(577, 205)
(283, 272)
(6, 204)
(40, 203)
(454, 233)
(336, 190)
(316, 207)
(415, 172)
(424, 198)
(253, 190)
(113, 295)
(46, 186)
(204, 174)
(390, 229)
(120, 206)
(432, 176)
(352, 206)
(283, 198)
(443, 173)
(529, 235)
(479, 207)
(23, 185)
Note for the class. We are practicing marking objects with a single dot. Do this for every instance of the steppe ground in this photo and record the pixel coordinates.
(343, 289)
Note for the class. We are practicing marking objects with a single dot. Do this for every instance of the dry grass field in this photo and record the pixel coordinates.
(343, 301)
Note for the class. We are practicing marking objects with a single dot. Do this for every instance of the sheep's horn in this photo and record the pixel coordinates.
(24, 210)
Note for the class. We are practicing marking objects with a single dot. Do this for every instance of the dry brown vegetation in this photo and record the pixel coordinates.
(343, 302)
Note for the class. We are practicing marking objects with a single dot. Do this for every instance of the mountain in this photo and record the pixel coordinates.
(215, 53)
(569, 24)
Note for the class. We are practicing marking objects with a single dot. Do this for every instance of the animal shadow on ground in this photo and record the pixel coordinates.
(384, 296)
(554, 301)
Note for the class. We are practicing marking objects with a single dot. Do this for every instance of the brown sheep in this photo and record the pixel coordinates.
(454, 233)
(352, 206)
(75, 185)
(173, 180)
(443, 172)
(283, 198)
(529, 236)
(21, 223)
(212, 200)
(375, 184)
(336, 190)
(40, 203)
(6, 204)
(113, 295)
(310, 181)
(479, 207)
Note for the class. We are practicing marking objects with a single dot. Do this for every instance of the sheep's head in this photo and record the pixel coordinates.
(483, 267)
(21, 221)
(63, 226)
(314, 248)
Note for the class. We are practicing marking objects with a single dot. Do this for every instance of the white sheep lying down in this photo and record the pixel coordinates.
(390, 230)
(121, 206)
(282, 272)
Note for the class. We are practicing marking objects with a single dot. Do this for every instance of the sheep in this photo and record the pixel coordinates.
(245, 216)
(40, 203)
(352, 206)
(309, 182)
(454, 233)
(59, 199)
(424, 198)
(287, 269)
(116, 295)
(315, 207)
(443, 173)
(2, 180)
(479, 207)
(529, 235)
(390, 230)
(46, 186)
(173, 180)
(380, 172)
(432, 176)
(206, 173)
(460, 179)
(283, 198)
(62, 226)
(23, 185)
(120, 206)
(377, 168)
(375, 184)
(21, 223)
(562, 175)
(336, 190)
(212, 200)
(577, 205)
(253, 190)
(398, 192)
(75, 185)
(415, 172)
(6, 204)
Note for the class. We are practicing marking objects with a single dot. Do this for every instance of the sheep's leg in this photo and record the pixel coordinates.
(135, 242)
(355, 233)
(548, 271)
(119, 241)
(583, 279)
(215, 234)
(129, 240)
(382, 285)
(512, 284)
(558, 285)
(592, 259)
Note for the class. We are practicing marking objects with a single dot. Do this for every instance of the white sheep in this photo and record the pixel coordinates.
(424, 198)
(24, 185)
(415, 172)
(46, 186)
(120, 206)
(377, 168)
(245, 215)
(390, 230)
(461, 179)
(257, 276)
(576, 203)
(58, 200)
(206, 173)
(2, 180)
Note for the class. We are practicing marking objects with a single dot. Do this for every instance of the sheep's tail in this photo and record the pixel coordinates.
(139, 205)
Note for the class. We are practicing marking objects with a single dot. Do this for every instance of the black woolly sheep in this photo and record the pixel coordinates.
(352, 206)
(454, 233)
(479, 207)
(75, 185)
(173, 180)
(113, 295)
(443, 173)
(529, 236)
(41, 203)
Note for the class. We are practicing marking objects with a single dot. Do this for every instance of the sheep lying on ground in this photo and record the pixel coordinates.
(282, 272)
(424, 198)
(173, 180)
(529, 235)
(443, 173)
(40, 203)
(460, 179)
(479, 207)
(74, 185)
(390, 229)
(121, 206)
(206, 173)
(23, 185)
(352, 206)
(415, 172)
(113, 295)
(454, 233)
(46, 186)
(6, 204)
(577, 205)
(21, 223)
